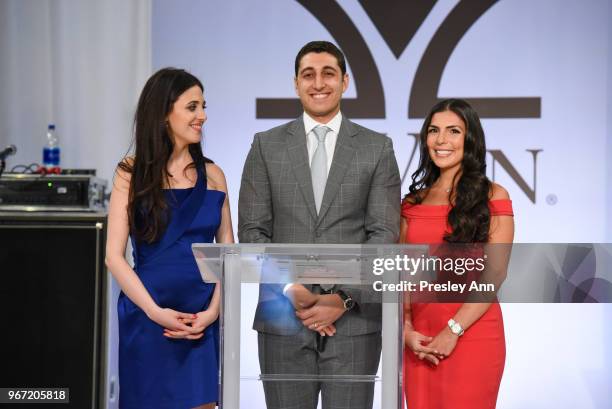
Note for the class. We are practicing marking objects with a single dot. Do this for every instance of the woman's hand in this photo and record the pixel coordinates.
(196, 323)
(415, 341)
(171, 320)
(444, 343)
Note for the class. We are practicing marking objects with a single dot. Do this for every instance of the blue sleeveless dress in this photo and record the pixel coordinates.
(155, 371)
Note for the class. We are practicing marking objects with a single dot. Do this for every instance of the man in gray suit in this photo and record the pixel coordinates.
(319, 179)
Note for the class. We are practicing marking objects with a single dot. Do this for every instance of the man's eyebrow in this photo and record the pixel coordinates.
(306, 69)
(327, 67)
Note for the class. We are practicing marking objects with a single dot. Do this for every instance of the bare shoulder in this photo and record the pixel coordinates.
(409, 198)
(416, 197)
(498, 192)
(123, 173)
(216, 177)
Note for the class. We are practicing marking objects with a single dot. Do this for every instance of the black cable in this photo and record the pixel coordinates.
(31, 168)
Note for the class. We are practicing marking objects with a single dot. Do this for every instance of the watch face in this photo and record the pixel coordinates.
(456, 328)
(349, 303)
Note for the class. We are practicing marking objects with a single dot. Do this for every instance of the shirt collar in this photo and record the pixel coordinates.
(334, 124)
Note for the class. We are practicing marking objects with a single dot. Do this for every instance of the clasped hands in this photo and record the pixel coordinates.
(317, 312)
(431, 349)
(180, 325)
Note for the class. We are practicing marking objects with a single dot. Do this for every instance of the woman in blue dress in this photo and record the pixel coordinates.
(164, 198)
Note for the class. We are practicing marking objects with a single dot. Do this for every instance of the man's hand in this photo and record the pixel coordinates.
(326, 310)
(300, 296)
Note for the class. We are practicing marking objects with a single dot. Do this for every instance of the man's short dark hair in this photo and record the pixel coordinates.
(321, 47)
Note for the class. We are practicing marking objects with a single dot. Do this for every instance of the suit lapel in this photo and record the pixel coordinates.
(343, 154)
(298, 155)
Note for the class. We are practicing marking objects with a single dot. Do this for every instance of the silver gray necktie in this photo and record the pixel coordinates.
(318, 166)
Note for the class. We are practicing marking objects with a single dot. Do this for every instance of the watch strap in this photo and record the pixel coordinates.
(347, 300)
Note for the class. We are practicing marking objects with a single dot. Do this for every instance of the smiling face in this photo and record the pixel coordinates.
(320, 85)
(445, 140)
(187, 117)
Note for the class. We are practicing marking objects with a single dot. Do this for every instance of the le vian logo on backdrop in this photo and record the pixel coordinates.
(397, 22)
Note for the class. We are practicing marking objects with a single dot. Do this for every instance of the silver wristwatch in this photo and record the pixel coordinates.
(455, 327)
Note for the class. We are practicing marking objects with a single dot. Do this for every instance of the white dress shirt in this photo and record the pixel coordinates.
(330, 139)
(312, 142)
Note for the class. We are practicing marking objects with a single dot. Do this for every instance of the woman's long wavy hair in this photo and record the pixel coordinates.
(469, 217)
(147, 207)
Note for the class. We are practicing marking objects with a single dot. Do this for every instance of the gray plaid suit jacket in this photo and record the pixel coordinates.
(361, 204)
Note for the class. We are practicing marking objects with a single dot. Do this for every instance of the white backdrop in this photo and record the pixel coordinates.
(245, 50)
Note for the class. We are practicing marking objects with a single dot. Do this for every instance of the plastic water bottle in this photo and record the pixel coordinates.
(51, 150)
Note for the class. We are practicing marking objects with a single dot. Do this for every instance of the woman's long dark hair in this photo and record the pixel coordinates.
(469, 217)
(147, 207)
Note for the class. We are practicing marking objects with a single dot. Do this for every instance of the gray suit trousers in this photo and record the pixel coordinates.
(342, 355)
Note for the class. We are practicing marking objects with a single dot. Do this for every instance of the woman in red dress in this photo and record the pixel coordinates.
(454, 353)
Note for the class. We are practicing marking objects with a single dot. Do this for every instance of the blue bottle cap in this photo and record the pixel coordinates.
(51, 127)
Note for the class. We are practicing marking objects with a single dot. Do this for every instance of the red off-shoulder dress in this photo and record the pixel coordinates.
(470, 377)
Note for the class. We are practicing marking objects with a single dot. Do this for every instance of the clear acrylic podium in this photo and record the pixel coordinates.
(237, 265)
